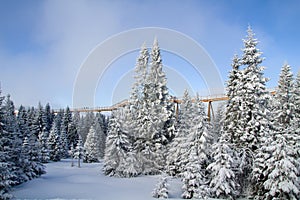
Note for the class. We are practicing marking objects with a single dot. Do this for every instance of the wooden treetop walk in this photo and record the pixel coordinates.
(206, 99)
(123, 103)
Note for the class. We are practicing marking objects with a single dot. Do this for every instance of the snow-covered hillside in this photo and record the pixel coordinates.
(88, 182)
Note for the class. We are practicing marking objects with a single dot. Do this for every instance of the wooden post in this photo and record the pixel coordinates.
(210, 112)
(177, 110)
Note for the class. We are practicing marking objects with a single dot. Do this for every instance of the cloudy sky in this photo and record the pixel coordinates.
(43, 44)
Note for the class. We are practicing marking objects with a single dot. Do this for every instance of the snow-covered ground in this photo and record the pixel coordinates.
(88, 182)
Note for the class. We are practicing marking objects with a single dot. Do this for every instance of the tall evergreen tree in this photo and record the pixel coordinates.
(28, 166)
(223, 182)
(141, 69)
(285, 107)
(217, 122)
(91, 146)
(34, 155)
(117, 147)
(296, 97)
(30, 154)
(137, 116)
(40, 120)
(31, 112)
(151, 111)
(86, 123)
(232, 110)
(282, 182)
(296, 123)
(61, 131)
(192, 176)
(49, 116)
(79, 151)
(252, 93)
(64, 143)
(74, 129)
(5, 163)
(195, 148)
(22, 122)
(10, 125)
(54, 144)
(178, 147)
(43, 143)
(253, 101)
(66, 126)
(275, 167)
(100, 134)
(158, 95)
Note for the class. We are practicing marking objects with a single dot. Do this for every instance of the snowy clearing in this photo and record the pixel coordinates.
(88, 182)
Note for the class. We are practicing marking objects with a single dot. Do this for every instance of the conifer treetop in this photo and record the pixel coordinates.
(252, 55)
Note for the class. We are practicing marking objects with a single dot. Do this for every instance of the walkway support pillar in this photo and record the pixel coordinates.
(210, 112)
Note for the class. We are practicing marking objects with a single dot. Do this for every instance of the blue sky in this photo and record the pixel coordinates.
(44, 43)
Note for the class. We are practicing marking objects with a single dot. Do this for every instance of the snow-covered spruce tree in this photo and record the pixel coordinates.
(137, 115)
(30, 157)
(10, 125)
(161, 189)
(157, 116)
(201, 135)
(79, 150)
(86, 123)
(43, 143)
(159, 93)
(40, 120)
(217, 122)
(141, 68)
(285, 106)
(66, 126)
(5, 163)
(232, 110)
(91, 147)
(296, 97)
(259, 167)
(102, 120)
(196, 154)
(58, 121)
(30, 121)
(287, 103)
(275, 167)
(49, 117)
(230, 131)
(296, 123)
(34, 155)
(64, 143)
(223, 182)
(74, 129)
(54, 144)
(282, 182)
(253, 94)
(23, 130)
(26, 164)
(22, 122)
(253, 120)
(132, 166)
(117, 147)
(274, 170)
(100, 134)
(175, 160)
(193, 177)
